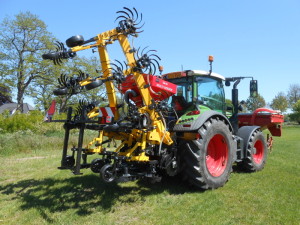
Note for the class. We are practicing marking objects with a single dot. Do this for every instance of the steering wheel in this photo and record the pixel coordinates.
(202, 103)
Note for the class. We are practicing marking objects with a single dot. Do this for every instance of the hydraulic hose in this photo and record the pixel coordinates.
(127, 93)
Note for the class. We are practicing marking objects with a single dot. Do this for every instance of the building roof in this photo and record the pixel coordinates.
(13, 106)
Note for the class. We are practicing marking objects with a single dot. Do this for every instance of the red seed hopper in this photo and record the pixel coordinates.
(265, 118)
(159, 89)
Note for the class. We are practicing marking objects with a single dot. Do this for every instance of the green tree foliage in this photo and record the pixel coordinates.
(228, 102)
(295, 116)
(296, 106)
(5, 94)
(22, 41)
(293, 94)
(253, 103)
(280, 102)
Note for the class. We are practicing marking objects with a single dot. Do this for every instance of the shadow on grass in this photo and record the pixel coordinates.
(84, 194)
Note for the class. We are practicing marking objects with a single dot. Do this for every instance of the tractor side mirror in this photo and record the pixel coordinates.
(253, 88)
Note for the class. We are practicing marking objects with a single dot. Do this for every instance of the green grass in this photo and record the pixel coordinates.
(33, 191)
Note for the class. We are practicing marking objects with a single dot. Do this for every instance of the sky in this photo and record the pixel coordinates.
(259, 38)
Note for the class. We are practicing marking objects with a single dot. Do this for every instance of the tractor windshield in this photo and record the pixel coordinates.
(202, 90)
(210, 92)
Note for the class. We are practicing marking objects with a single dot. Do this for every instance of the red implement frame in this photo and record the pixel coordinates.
(265, 118)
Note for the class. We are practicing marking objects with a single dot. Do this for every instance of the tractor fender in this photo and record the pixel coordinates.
(196, 124)
(245, 133)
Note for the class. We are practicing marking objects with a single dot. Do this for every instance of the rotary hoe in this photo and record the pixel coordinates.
(175, 124)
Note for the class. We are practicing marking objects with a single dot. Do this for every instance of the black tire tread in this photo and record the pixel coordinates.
(248, 164)
(190, 155)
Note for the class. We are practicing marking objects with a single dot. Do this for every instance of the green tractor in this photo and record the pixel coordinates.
(210, 138)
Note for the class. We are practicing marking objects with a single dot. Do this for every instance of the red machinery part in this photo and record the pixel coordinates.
(106, 114)
(217, 155)
(159, 89)
(265, 118)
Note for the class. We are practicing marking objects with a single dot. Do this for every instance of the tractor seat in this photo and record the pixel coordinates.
(179, 103)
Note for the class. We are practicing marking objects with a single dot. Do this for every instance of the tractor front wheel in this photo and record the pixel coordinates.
(207, 161)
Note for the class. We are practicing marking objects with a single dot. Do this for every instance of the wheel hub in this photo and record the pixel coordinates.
(217, 155)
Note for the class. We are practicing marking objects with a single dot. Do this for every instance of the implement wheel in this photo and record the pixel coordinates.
(107, 173)
(207, 162)
(256, 152)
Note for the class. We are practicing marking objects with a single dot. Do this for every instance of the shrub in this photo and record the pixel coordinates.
(295, 117)
(33, 121)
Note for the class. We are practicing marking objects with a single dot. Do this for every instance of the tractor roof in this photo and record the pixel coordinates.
(179, 74)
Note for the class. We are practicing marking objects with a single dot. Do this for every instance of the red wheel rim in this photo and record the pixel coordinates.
(217, 155)
(259, 153)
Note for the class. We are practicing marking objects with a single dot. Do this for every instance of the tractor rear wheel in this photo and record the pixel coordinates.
(207, 161)
(256, 152)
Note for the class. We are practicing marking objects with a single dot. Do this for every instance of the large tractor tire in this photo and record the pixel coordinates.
(207, 161)
(256, 153)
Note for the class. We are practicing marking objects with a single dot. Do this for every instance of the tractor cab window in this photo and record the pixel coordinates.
(210, 93)
(184, 93)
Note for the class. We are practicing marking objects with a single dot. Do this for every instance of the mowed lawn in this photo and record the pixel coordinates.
(34, 191)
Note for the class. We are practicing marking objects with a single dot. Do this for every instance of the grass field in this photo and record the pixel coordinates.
(33, 191)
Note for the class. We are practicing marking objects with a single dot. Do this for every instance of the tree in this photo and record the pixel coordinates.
(293, 94)
(253, 103)
(22, 41)
(279, 102)
(42, 90)
(295, 116)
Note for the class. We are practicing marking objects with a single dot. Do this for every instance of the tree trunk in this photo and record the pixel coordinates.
(63, 104)
(20, 99)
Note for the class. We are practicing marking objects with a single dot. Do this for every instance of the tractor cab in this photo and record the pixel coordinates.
(197, 90)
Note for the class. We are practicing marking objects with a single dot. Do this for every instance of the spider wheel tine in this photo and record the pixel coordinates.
(156, 62)
(59, 60)
(156, 56)
(141, 19)
(55, 61)
(118, 62)
(143, 50)
(57, 44)
(137, 52)
(62, 47)
(154, 67)
(120, 67)
(59, 82)
(132, 15)
(63, 79)
(126, 66)
(68, 82)
(139, 26)
(137, 14)
(121, 17)
(150, 51)
(124, 13)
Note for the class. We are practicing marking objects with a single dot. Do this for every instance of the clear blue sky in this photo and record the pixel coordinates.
(259, 38)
